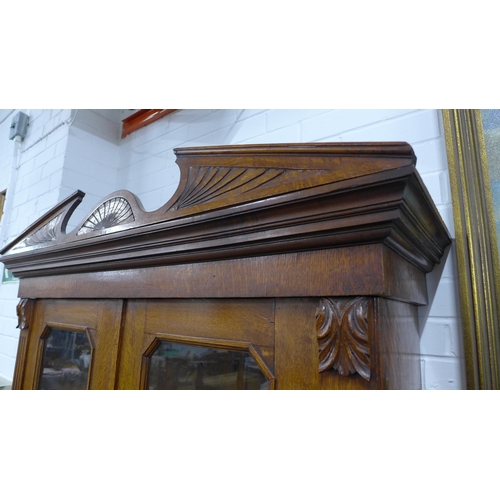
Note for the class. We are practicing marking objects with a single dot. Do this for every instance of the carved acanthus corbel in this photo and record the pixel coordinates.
(342, 332)
(22, 314)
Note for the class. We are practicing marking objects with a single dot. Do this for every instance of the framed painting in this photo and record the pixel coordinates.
(473, 150)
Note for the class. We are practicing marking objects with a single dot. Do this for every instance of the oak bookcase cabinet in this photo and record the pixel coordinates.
(283, 266)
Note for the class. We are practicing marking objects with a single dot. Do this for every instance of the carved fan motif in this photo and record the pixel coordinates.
(342, 331)
(113, 212)
(208, 184)
(45, 234)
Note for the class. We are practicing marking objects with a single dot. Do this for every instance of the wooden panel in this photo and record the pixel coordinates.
(399, 344)
(294, 274)
(331, 380)
(105, 355)
(400, 276)
(71, 312)
(129, 367)
(249, 320)
(25, 311)
(361, 270)
(64, 314)
(21, 359)
(296, 348)
(35, 330)
(102, 318)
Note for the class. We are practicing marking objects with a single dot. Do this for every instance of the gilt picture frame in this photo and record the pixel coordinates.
(473, 171)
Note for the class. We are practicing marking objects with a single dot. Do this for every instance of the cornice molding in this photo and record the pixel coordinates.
(243, 201)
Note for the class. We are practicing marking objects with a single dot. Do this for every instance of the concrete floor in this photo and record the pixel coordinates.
(5, 384)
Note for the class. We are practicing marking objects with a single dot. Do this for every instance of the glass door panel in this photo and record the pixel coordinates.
(186, 366)
(66, 360)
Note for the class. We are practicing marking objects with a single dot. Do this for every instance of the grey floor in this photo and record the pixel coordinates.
(4, 383)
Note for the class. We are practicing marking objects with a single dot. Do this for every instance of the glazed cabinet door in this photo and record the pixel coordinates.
(69, 344)
(198, 344)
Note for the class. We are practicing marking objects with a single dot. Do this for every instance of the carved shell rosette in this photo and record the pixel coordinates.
(342, 332)
(113, 212)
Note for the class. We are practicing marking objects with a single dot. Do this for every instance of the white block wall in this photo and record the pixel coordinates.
(36, 165)
(91, 162)
(8, 293)
(62, 152)
(98, 162)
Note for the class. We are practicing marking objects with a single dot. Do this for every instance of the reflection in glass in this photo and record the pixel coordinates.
(184, 366)
(66, 360)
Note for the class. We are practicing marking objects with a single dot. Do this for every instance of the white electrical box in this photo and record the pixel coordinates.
(19, 126)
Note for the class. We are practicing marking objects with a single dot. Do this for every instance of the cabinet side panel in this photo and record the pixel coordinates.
(401, 276)
(35, 330)
(296, 347)
(25, 310)
(398, 344)
(17, 382)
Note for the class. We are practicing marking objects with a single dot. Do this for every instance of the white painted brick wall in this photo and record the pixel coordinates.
(91, 161)
(38, 160)
(6, 159)
(89, 156)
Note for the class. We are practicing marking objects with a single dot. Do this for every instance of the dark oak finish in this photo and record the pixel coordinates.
(25, 310)
(311, 257)
(129, 366)
(296, 357)
(102, 318)
(398, 344)
(364, 269)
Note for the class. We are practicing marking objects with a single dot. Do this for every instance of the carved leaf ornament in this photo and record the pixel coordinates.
(45, 234)
(21, 314)
(342, 332)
